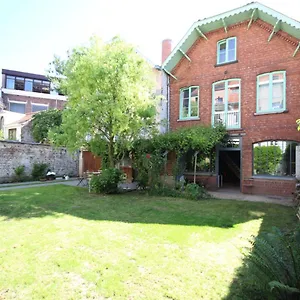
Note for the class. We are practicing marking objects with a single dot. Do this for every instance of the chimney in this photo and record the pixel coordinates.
(166, 49)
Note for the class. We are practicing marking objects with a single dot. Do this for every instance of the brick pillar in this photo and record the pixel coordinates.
(166, 49)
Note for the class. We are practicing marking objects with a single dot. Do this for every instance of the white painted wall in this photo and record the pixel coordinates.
(10, 121)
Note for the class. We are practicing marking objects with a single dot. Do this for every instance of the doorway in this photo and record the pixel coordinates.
(230, 168)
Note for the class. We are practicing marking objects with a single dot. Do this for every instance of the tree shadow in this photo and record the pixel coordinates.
(245, 284)
(60, 200)
(130, 208)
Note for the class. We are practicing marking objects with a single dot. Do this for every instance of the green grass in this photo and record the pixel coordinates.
(59, 242)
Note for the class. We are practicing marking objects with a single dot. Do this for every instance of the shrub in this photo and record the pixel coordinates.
(149, 167)
(165, 191)
(19, 174)
(275, 265)
(107, 182)
(39, 171)
(194, 191)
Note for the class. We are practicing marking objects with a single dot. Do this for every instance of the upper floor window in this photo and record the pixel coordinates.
(26, 84)
(18, 107)
(10, 82)
(271, 92)
(189, 102)
(226, 103)
(38, 107)
(226, 51)
(277, 158)
(19, 84)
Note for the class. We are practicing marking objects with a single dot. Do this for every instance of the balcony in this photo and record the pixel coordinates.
(230, 119)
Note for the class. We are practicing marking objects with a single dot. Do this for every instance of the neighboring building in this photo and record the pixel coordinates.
(240, 68)
(22, 95)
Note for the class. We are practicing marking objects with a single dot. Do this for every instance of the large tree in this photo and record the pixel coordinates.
(44, 121)
(110, 97)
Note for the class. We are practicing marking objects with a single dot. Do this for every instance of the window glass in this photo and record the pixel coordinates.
(222, 52)
(37, 86)
(19, 84)
(219, 96)
(12, 134)
(226, 103)
(37, 107)
(46, 87)
(271, 92)
(276, 158)
(17, 107)
(226, 50)
(28, 85)
(194, 102)
(231, 49)
(277, 76)
(203, 163)
(264, 79)
(189, 103)
(277, 99)
(263, 98)
(10, 82)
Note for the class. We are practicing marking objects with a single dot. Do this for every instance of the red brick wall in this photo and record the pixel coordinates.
(255, 56)
(208, 181)
(166, 49)
(59, 104)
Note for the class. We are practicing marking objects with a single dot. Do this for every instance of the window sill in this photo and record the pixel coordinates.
(270, 177)
(226, 63)
(234, 129)
(188, 119)
(271, 112)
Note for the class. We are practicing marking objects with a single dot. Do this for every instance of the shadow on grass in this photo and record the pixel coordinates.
(62, 200)
(246, 284)
(131, 207)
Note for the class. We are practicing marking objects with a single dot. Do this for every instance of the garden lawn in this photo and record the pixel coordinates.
(60, 242)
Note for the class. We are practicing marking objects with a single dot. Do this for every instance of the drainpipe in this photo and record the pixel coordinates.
(168, 102)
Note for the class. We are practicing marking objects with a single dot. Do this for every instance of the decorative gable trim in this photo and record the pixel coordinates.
(250, 12)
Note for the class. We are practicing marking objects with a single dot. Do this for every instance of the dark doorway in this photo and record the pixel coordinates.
(229, 168)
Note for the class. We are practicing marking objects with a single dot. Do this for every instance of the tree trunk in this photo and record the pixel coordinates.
(111, 159)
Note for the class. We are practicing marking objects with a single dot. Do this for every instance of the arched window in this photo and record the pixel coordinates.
(275, 158)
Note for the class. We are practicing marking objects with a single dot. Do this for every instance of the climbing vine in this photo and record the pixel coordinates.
(150, 154)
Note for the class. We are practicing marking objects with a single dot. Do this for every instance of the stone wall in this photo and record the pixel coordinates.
(14, 154)
(26, 135)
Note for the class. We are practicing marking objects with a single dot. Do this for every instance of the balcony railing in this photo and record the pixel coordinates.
(230, 119)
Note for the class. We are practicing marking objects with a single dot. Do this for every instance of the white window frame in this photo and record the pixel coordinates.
(38, 104)
(16, 102)
(270, 85)
(189, 117)
(226, 55)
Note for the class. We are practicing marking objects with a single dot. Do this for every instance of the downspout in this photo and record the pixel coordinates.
(168, 102)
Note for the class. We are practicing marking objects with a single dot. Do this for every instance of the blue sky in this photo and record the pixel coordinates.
(33, 31)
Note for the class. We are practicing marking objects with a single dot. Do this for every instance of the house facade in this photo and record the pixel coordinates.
(242, 69)
(22, 95)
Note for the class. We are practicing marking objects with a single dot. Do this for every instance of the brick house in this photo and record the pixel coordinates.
(240, 68)
(22, 95)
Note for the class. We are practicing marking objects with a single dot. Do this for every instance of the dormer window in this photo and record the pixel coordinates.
(226, 51)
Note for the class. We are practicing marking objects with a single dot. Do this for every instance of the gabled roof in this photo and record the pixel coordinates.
(24, 119)
(251, 12)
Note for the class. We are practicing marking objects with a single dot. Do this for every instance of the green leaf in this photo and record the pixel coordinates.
(282, 287)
